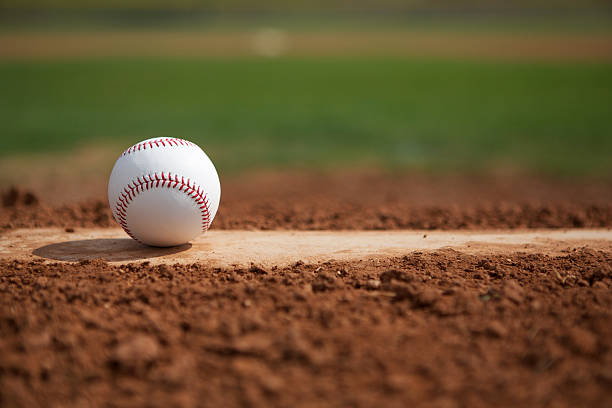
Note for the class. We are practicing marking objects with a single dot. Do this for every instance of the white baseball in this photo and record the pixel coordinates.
(164, 191)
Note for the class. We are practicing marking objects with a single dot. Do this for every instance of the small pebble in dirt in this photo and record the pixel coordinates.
(372, 284)
(133, 352)
(600, 285)
(582, 341)
(427, 297)
(394, 274)
(328, 276)
(496, 329)
(513, 291)
(257, 270)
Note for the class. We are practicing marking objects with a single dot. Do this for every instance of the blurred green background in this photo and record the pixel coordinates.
(440, 86)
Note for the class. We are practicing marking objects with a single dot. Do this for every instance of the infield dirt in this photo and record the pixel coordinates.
(504, 46)
(512, 326)
(355, 200)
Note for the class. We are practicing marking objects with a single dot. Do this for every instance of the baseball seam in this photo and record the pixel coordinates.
(165, 180)
(162, 142)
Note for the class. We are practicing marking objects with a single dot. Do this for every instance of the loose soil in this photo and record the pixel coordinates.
(521, 323)
(439, 329)
(349, 200)
(513, 46)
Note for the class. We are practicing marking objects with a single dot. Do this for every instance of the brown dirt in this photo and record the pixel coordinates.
(443, 329)
(356, 200)
(491, 45)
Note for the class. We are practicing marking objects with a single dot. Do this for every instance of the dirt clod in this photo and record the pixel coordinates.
(134, 353)
(582, 341)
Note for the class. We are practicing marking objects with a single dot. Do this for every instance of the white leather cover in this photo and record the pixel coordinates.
(164, 191)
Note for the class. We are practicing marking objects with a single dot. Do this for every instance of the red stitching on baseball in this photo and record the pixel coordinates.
(147, 181)
(171, 141)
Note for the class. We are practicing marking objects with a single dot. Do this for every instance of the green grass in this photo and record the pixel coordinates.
(430, 114)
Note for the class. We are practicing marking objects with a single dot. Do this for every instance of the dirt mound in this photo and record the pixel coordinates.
(442, 329)
(86, 213)
(368, 201)
(338, 216)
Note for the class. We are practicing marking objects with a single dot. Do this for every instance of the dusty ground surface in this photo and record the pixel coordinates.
(345, 200)
(524, 322)
(538, 46)
(439, 329)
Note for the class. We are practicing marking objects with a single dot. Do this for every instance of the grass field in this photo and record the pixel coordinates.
(432, 114)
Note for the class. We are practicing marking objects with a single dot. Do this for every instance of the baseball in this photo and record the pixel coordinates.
(164, 191)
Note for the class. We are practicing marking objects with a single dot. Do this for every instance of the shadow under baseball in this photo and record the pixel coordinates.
(108, 249)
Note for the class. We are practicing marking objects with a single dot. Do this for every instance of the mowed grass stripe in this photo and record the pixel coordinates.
(435, 114)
